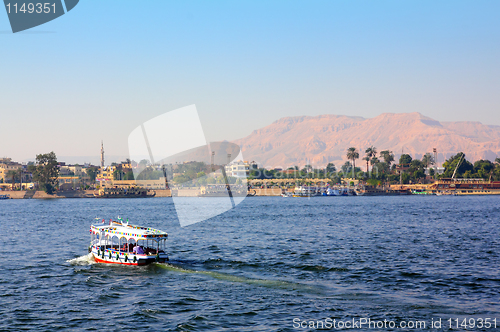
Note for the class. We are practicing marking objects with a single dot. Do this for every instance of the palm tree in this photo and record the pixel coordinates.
(367, 159)
(20, 177)
(12, 174)
(371, 152)
(346, 167)
(427, 160)
(352, 154)
(388, 156)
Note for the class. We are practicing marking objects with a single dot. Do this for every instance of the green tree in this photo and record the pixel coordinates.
(415, 163)
(367, 159)
(431, 172)
(388, 156)
(144, 163)
(129, 176)
(202, 181)
(346, 167)
(181, 179)
(382, 168)
(483, 168)
(20, 177)
(92, 173)
(371, 152)
(428, 160)
(46, 172)
(256, 174)
(118, 174)
(405, 178)
(451, 164)
(330, 168)
(307, 169)
(12, 175)
(352, 154)
(405, 159)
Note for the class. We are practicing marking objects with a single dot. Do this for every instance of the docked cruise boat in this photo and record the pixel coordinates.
(223, 190)
(117, 242)
(331, 192)
(459, 187)
(305, 191)
(132, 192)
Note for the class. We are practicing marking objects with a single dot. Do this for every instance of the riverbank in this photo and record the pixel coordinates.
(28, 194)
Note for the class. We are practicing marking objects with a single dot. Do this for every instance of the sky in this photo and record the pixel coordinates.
(104, 68)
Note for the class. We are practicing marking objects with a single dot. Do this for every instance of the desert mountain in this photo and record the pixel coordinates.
(318, 140)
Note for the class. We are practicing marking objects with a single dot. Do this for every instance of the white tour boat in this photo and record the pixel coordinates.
(120, 243)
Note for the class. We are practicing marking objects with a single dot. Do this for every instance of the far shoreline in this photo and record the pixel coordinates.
(30, 194)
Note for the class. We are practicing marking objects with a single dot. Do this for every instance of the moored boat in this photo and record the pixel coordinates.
(4, 197)
(305, 191)
(222, 190)
(120, 243)
(459, 187)
(132, 192)
(330, 192)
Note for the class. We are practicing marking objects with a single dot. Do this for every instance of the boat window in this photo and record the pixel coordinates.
(131, 244)
(123, 244)
(115, 242)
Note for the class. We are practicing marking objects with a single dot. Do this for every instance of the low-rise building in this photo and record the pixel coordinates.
(105, 174)
(239, 169)
(72, 170)
(69, 182)
(7, 165)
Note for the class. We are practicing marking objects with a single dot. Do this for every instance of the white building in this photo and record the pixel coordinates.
(238, 169)
(438, 170)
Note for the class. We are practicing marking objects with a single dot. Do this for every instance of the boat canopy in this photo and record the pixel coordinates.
(124, 230)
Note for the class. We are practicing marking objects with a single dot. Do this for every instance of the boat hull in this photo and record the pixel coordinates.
(124, 258)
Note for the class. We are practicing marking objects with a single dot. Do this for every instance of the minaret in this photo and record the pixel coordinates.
(102, 155)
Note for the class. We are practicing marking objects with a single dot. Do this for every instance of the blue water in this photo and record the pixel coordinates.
(257, 267)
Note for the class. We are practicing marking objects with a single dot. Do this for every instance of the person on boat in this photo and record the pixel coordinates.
(138, 250)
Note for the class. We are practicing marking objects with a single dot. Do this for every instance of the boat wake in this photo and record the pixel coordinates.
(238, 279)
(82, 260)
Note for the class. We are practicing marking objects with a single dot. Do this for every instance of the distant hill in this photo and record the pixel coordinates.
(318, 140)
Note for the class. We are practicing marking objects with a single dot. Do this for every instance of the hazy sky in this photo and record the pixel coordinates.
(107, 66)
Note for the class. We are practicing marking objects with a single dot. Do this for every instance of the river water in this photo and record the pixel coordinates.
(270, 264)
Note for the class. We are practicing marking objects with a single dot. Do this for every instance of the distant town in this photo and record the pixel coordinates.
(379, 171)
